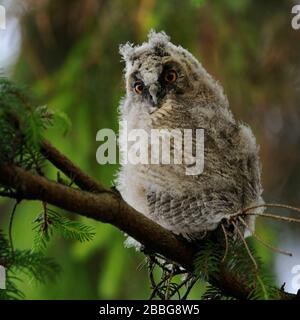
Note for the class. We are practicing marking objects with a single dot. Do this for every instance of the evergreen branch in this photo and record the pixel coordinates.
(43, 232)
(49, 222)
(71, 229)
(33, 264)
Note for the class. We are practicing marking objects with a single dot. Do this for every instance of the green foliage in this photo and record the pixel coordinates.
(208, 259)
(22, 126)
(60, 119)
(85, 80)
(238, 6)
(21, 129)
(198, 3)
(50, 221)
(263, 287)
(214, 293)
(208, 264)
(34, 265)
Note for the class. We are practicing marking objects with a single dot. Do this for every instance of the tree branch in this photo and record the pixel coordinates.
(108, 207)
(60, 161)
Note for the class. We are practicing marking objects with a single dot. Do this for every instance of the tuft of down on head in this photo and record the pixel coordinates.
(129, 51)
(159, 44)
(158, 38)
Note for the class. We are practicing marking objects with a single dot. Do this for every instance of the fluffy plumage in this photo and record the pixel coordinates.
(187, 205)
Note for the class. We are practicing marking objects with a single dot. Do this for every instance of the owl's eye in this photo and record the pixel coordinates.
(170, 76)
(138, 87)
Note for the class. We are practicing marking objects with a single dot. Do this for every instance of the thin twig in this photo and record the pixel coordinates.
(164, 288)
(167, 293)
(10, 229)
(154, 286)
(157, 286)
(245, 244)
(226, 242)
(274, 216)
(258, 238)
(177, 290)
(190, 287)
(265, 205)
(273, 205)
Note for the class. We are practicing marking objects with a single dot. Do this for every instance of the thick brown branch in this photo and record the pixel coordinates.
(60, 161)
(108, 207)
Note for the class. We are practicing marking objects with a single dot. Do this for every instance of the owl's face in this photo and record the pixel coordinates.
(159, 71)
(155, 78)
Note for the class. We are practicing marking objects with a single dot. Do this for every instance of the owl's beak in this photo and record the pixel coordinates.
(153, 91)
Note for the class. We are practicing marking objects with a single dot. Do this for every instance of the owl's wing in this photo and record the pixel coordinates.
(250, 168)
(250, 172)
(189, 215)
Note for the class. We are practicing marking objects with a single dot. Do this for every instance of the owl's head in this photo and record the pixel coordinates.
(158, 70)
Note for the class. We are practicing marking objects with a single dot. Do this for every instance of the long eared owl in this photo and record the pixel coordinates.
(167, 88)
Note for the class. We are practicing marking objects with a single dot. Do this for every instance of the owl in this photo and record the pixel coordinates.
(168, 88)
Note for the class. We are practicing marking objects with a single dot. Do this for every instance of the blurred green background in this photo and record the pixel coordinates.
(66, 52)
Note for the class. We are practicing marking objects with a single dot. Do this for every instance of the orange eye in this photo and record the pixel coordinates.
(170, 76)
(138, 87)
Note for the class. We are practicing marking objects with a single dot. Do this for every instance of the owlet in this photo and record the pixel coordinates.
(167, 88)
